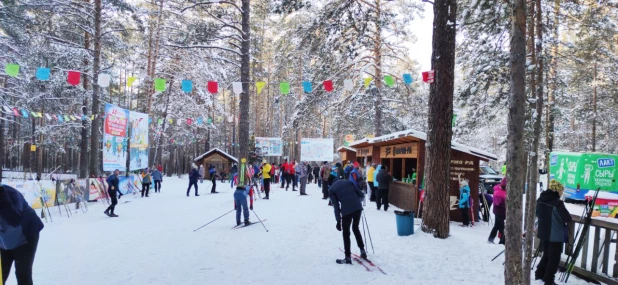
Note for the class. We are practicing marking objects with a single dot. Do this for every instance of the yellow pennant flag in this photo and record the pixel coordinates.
(92, 117)
(170, 120)
(131, 80)
(260, 85)
(40, 114)
(367, 82)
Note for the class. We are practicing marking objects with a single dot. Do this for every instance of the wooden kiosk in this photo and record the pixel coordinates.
(220, 159)
(403, 152)
(347, 153)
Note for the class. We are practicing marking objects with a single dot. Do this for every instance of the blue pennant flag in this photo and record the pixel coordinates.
(149, 120)
(407, 78)
(199, 121)
(42, 73)
(24, 113)
(307, 86)
(60, 118)
(187, 86)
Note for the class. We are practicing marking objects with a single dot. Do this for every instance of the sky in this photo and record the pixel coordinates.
(421, 50)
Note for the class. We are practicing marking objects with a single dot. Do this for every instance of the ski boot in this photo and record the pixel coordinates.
(107, 213)
(346, 260)
(113, 215)
(247, 222)
(363, 253)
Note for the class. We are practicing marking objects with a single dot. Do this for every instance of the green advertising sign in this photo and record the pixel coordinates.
(581, 172)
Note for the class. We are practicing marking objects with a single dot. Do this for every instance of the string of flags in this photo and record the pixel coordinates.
(160, 84)
(21, 112)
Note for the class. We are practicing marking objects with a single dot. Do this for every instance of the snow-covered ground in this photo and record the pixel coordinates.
(153, 242)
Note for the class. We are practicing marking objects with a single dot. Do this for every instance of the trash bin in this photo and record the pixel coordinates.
(405, 223)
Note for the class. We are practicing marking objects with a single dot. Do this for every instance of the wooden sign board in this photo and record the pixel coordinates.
(364, 152)
(216, 157)
(406, 150)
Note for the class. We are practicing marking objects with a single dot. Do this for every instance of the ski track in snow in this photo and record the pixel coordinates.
(153, 242)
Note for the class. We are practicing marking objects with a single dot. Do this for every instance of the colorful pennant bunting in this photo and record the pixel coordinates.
(131, 80)
(213, 87)
(348, 84)
(42, 73)
(104, 80)
(428, 76)
(328, 85)
(237, 87)
(307, 86)
(187, 86)
(12, 69)
(24, 113)
(284, 87)
(159, 84)
(73, 78)
(389, 80)
(260, 85)
(407, 78)
(367, 81)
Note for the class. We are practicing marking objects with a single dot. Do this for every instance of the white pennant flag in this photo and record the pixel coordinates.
(7, 109)
(348, 84)
(237, 87)
(48, 116)
(104, 80)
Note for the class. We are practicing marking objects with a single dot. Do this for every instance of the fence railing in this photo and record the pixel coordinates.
(598, 259)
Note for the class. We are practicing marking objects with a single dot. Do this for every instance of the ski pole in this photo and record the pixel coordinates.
(259, 220)
(369, 232)
(213, 220)
(536, 255)
(498, 255)
(364, 233)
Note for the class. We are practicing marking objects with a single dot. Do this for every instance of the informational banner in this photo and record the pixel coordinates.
(129, 184)
(269, 146)
(139, 140)
(36, 193)
(348, 139)
(317, 149)
(115, 138)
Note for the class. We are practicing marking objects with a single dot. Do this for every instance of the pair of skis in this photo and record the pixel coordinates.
(362, 261)
(244, 226)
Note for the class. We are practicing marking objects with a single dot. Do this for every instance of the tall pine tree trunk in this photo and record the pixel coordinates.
(437, 163)
(83, 165)
(245, 69)
(377, 53)
(553, 65)
(95, 144)
(594, 110)
(516, 151)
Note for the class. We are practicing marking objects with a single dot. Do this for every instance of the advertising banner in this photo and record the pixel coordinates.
(115, 138)
(316, 149)
(139, 140)
(269, 146)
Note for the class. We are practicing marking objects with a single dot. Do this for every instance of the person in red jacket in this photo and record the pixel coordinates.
(290, 172)
(284, 167)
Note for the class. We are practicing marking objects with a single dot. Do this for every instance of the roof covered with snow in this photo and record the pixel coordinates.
(423, 136)
(215, 150)
(342, 148)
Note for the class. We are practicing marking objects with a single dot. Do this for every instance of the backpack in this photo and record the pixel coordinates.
(358, 180)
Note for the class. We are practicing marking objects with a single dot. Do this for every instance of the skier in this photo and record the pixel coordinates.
(193, 176)
(316, 175)
(324, 174)
(370, 178)
(213, 179)
(19, 235)
(290, 174)
(384, 181)
(302, 173)
(266, 175)
(499, 201)
(146, 178)
(158, 178)
(356, 177)
(240, 202)
(113, 191)
(346, 199)
(464, 204)
(553, 218)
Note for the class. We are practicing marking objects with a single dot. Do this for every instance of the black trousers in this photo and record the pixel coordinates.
(157, 186)
(498, 227)
(352, 220)
(465, 216)
(283, 178)
(267, 187)
(382, 198)
(23, 257)
(372, 197)
(194, 183)
(145, 188)
(288, 180)
(113, 194)
(213, 179)
(325, 189)
(548, 266)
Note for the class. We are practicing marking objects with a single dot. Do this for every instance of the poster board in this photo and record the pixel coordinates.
(269, 146)
(139, 140)
(317, 149)
(115, 138)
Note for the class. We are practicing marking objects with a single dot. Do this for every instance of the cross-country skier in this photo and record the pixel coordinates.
(552, 217)
(158, 178)
(499, 201)
(346, 199)
(19, 235)
(213, 179)
(193, 176)
(113, 191)
(240, 203)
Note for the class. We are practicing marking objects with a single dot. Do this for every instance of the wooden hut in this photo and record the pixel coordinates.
(347, 153)
(220, 159)
(404, 153)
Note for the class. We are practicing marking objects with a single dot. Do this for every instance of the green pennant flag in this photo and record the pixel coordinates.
(12, 69)
(159, 84)
(389, 80)
(454, 119)
(284, 87)
(209, 121)
(160, 121)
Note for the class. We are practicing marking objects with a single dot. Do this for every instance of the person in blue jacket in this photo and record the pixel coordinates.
(375, 183)
(19, 235)
(193, 176)
(157, 176)
(346, 199)
(113, 190)
(464, 204)
(240, 203)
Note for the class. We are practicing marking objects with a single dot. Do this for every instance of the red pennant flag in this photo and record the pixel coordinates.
(15, 112)
(73, 78)
(328, 85)
(55, 117)
(213, 87)
(189, 121)
(428, 76)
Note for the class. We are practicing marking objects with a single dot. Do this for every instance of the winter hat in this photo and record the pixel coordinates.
(503, 183)
(556, 186)
(264, 161)
(338, 164)
(356, 164)
(324, 162)
(463, 183)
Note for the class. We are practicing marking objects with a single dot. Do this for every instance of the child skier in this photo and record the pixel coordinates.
(240, 200)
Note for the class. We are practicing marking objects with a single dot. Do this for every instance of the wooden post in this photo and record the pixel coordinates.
(595, 248)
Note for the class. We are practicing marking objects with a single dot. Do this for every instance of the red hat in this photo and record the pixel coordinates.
(356, 164)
